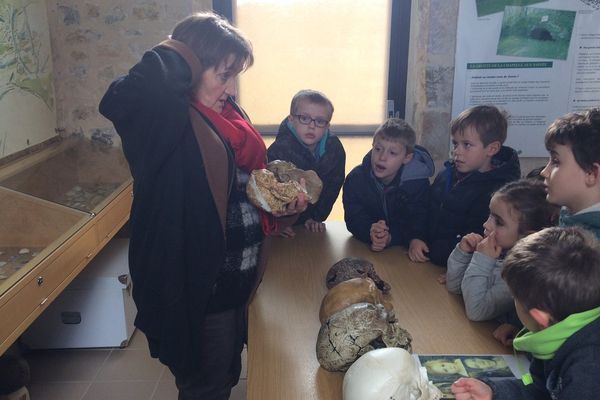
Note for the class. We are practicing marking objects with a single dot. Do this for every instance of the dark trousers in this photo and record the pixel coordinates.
(223, 342)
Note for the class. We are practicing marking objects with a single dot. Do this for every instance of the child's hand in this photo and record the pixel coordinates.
(314, 226)
(505, 334)
(469, 242)
(417, 249)
(441, 279)
(471, 389)
(489, 247)
(378, 231)
(380, 236)
(382, 242)
(287, 232)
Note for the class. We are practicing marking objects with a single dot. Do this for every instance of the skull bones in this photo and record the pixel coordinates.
(355, 330)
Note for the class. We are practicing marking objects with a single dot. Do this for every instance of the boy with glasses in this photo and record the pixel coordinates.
(385, 198)
(304, 139)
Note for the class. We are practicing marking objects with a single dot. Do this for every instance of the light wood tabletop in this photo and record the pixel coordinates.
(284, 316)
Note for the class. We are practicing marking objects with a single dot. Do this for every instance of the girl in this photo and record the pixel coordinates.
(516, 210)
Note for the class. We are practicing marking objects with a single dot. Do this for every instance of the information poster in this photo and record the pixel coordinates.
(536, 60)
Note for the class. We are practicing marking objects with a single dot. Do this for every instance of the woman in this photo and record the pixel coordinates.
(195, 241)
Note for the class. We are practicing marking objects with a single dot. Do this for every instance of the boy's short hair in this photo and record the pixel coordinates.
(312, 96)
(556, 270)
(580, 131)
(488, 121)
(397, 130)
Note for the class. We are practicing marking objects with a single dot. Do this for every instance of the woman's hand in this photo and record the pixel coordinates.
(296, 206)
(471, 389)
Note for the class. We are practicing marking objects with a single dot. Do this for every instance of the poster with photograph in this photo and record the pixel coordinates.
(443, 370)
(536, 60)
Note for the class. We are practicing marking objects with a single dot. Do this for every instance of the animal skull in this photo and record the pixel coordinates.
(390, 373)
(352, 291)
(354, 331)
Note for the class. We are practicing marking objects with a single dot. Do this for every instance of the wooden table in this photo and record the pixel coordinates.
(284, 316)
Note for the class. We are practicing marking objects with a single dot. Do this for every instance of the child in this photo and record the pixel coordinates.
(461, 193)
(572, 176)
(305, 140)
(385, 198)
(516, 210)
(554, 276)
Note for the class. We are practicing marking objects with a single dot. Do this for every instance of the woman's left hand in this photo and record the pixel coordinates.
(296, 206)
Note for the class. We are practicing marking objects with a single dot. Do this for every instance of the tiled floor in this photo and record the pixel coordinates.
(101, 374)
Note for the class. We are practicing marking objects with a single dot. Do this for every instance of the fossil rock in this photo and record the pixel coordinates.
(286, 171)
(352, 291)
(354, 267)
(264, 191)
(356, 330)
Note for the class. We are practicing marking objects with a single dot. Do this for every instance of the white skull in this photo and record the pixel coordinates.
(389, 373)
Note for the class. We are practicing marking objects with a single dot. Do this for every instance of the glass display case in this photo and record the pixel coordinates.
(58, 207)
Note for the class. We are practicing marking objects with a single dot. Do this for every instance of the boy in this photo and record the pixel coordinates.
(305, 140)
(554, 276)
(460, 195)
(572, 176)
(385, 198)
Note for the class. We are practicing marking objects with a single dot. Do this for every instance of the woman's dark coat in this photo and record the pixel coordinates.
(180, 198)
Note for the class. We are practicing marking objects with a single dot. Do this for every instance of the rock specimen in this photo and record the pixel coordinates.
(354, 267)
(274, 187)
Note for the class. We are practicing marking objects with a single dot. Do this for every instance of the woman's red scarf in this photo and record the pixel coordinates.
(249, 149)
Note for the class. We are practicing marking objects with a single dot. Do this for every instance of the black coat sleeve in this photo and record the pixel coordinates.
(414, 225)
(333, 179)
(147, 105)
(356, 212)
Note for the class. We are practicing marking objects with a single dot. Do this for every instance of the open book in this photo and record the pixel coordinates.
(443, 370)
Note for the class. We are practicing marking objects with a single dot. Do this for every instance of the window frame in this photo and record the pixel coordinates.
(397, 67)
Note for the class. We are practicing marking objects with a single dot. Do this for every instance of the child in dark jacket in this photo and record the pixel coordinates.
(554, 276)
(305, 140)
(385, 198)
(461, 193)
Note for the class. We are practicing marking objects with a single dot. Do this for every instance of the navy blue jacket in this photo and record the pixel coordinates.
(402, 203)
(571, 375)
(460, 205)
(330, 168)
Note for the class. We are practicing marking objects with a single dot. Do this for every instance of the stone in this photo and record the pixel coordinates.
(354, 267)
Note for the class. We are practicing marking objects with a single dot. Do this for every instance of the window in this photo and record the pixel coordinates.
(339, 47)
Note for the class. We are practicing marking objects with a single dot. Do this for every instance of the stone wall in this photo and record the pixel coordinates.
(431, 76)
(95, 42)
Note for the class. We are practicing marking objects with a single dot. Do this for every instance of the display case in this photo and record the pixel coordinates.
(59, 206)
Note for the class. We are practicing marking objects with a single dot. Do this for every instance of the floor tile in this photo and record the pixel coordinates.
(58, 390)
(65, 365)
(130, 390)
(126, 365)
(166, 390)
(239, 391)
(138, 341)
